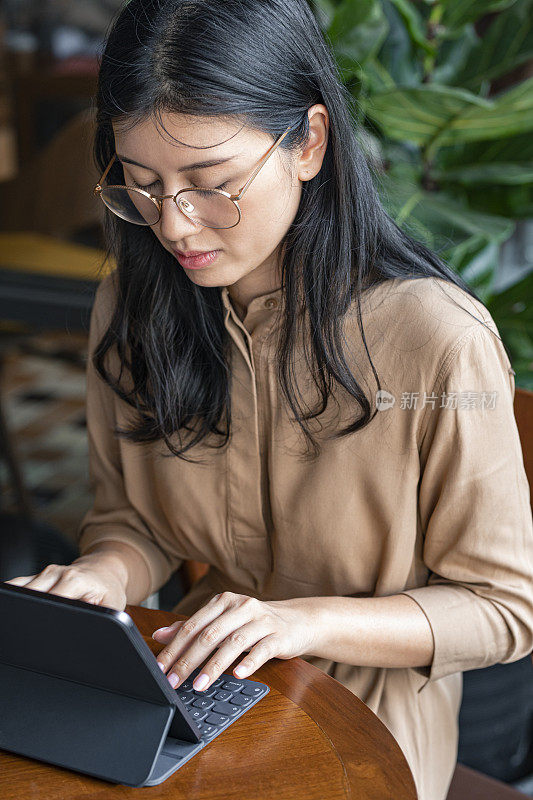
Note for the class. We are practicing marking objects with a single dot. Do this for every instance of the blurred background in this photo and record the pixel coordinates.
(444, 95)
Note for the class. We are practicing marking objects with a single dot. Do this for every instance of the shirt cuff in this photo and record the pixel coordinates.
(462, 630)
(158, 565)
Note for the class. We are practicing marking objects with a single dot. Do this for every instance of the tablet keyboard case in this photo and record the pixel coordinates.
(104, 733)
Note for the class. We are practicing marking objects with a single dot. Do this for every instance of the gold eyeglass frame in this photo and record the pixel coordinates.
(158, 199)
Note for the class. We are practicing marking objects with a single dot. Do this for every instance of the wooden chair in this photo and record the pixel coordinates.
(52, 193)
(523, 408)
(467, 783)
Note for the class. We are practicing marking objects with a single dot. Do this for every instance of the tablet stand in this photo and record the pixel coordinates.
(99, 732)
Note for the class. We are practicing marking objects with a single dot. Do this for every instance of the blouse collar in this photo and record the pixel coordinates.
(260, 310)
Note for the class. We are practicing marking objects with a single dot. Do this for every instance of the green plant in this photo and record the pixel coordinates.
(446, 118)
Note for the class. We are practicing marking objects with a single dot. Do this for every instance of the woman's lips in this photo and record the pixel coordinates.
(196, 262)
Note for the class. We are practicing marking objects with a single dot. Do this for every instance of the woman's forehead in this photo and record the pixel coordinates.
(186, 133)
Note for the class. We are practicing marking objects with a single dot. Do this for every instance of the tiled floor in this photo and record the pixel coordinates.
(42, 384)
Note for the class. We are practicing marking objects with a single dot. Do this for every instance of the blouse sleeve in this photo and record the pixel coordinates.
(474, 506)
(112, 517)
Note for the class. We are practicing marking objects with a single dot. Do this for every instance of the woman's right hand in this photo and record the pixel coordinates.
(84, 579)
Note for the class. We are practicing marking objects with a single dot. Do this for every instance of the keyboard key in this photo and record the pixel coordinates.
(196, 713)
(228, 709)
(216, 719)
(252, 691)
(203, 702)
(186, 697)
(241, 700)
(188, 682)
(223, 695)
(205, 728)
(232, 686)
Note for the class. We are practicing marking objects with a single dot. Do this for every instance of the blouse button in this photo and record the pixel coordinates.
(271, 302)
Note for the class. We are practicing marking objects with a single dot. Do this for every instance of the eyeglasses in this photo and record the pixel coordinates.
(210, 208)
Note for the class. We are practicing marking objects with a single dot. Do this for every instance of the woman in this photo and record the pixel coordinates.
(394, 553)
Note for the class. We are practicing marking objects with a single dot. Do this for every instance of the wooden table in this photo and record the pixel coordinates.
(309, 738)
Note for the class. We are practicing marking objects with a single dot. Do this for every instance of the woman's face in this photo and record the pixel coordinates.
(248, 253)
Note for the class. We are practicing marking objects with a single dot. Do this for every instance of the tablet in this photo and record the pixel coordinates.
(79, 687)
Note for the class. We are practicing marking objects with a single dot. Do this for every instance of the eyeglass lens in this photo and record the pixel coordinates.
(202, 206)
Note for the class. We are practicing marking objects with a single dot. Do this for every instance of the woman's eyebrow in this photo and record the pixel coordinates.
(199, 165)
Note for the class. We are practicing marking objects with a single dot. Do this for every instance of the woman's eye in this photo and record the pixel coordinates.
(222, 186)
(149, 188)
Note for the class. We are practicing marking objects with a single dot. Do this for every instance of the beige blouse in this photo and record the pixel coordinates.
(430, 499)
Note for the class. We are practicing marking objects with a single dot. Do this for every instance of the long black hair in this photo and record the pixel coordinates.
(262, 63)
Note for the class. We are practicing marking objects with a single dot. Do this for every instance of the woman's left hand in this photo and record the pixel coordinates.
(233, 624)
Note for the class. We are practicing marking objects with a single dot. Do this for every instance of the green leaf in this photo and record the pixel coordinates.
(441, 220)
(512, 310)
(516, 149)
(507, 43)
(491, 174)
(513, 303)
(375, 76)
(397, 54)
(518, 339)
(414, 24)
(509, 201)
(420, 114)
(453, 53)
(477, 261)
(434, 115)
(514, 201)
(356, 32)
(511, 113)
(456, 13)
(524, 372)
(347, 15)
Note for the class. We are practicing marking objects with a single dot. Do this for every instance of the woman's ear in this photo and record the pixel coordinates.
(310, 159)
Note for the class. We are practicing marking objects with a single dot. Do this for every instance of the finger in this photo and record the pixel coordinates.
(209, 638)
(260, 653)
(46, 579)
(165, 634)
(21, 581)
(67, 588)
(250, 637)
(89, 598)
(189, 629)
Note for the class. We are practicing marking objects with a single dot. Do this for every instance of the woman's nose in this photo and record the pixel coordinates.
(174, 225)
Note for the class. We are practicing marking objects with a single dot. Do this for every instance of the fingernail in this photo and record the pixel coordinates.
(160, 630)
(239, 671)
(173, 680)
(201, 682)
(160, 665)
